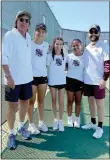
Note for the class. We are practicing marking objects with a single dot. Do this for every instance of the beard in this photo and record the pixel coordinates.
(96, 38)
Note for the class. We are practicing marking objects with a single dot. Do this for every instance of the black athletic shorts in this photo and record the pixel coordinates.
(22, 91)
(74, 85)
(61, 86)
(39, 80)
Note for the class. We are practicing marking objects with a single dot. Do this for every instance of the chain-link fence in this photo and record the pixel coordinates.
(4, 104)
(40, 12)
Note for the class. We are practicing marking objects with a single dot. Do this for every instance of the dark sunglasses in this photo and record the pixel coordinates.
(22, 20)
(93, 31)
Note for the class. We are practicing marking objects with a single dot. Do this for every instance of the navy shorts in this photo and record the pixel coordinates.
(94, 90)
(74, 85)
(23, 92)
(39, 80)
(61, 86)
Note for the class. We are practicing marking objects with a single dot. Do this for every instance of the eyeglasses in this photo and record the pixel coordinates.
(93, 31)
(22, 20)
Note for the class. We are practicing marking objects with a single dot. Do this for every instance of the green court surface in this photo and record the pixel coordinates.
(70, 144)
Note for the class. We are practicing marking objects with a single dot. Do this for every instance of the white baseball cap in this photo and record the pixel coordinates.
(23, 13)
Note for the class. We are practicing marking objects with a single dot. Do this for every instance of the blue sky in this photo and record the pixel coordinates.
(79, 15)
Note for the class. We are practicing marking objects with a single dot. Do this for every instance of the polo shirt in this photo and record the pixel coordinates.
(16, 53)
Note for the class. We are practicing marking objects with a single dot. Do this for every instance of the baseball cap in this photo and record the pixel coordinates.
(41, 25)
(23, 13)
(95, 26)
(77, 40)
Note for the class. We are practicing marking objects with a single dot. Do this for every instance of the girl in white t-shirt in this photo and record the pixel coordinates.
(56, 63)
(39, 84)
(74, 82)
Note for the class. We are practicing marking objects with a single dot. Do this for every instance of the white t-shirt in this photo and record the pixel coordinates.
(94, 58)
(16, 53)
(56, 72)
(75, 66)
(39, 58)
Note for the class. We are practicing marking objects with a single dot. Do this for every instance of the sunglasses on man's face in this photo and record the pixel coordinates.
(22, 20)
(93, 32)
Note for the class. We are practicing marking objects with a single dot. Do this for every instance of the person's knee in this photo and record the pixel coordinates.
(32, 101)
(100, 103)
(54, 101)
(13, 107)
(78, 103)
(69, 102)
(61, 102)
(40, 101)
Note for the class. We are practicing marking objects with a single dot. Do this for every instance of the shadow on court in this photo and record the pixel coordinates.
(70, 144)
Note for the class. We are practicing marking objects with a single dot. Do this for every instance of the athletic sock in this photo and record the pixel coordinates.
(11, 131)
(93, 120)
(100, 124)
(20, 125)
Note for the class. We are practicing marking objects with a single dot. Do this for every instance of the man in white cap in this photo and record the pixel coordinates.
(16, 63)
(97, 71)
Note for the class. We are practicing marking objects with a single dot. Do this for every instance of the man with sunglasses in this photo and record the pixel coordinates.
(97, 71)
(16, 62)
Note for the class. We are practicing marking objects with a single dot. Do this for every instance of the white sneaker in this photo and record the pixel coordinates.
(70, 121)
(55, 125)
(89, 126)
(42, 127)
(98, 133)
(76, 122)
(61, 127)
(33, 129)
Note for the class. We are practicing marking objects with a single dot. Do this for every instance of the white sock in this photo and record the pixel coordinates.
(31, 124)
(69, 117)
(41, 121)
(60, 120)
(77, 118)
(20, 125)
(55, 119)
(11, 131)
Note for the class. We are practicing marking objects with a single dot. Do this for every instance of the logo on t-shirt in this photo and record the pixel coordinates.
(39, 52)
(76, 63)
(58, 62)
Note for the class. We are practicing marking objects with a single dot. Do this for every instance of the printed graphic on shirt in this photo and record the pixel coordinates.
(76, 63)
(58, 62)
(39, 52)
